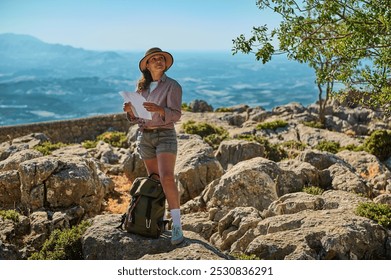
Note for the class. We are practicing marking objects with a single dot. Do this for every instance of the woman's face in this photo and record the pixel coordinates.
(156, 63)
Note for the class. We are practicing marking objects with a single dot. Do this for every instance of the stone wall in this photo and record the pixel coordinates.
(69, 131)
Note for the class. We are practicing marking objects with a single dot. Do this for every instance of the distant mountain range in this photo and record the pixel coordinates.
(24, 55)
(45, 82)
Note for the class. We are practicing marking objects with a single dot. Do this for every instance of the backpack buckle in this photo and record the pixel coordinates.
(148, 223)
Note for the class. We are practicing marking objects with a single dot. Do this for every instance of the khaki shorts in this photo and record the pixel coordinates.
(151, 143)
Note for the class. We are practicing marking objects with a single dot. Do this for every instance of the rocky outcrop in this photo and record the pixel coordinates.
(67, 178)
(196, 166)
(375, 174)
(234, 200)
(303, 226)
(33, 230)
(103, 241)
(231, 152)
(59, 183)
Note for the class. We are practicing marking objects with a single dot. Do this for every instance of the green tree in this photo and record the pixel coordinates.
(345, 41)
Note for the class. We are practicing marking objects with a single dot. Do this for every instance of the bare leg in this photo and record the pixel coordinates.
(164, 165)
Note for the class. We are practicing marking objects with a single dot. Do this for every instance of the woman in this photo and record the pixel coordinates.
(157, 143)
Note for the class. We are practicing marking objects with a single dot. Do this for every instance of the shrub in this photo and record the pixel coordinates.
(89, 144)
(314, 124)
(48, 147)
(251, 137)
(380, 213)
(352, 147)
(379, 144)
(245, 257)
(215, 139)
(63, 245)
(211, 134)
(202, 129)
(114, 138)
(10, 215)
(313, 190)
(272, 125)
(292, 148)
(185, 107)
(294, 145)
(275, 152)
(224, 110)
(328, 146)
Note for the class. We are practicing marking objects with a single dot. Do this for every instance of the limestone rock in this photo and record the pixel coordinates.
(321, 160)
(61, 183)
(313, 136)
(323, 228)
(195, 167)
(246, 184)
(13, 161)
(103, 241)
(233, 151)
(10, 195)
(375, 174)
(234, 225)
(200, 106)
(318, 235)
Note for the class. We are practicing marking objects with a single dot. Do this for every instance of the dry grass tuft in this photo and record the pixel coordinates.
(372, 171)
(118, 201)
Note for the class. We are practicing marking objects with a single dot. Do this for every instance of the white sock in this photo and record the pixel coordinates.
(176, 217)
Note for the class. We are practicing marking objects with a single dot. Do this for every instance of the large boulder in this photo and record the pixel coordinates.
(10, 195)
(344, 179)
(60, 183)
(321, 160)
(308, 174)
(21, 143)
(313, 136)
(231, 152)
(196, 166)
(375, 174)
(103, 241)
(234, 225)
(317, 235)
(303, 226)
(252, 183)
(245, 185)
(13, 161)
(133, 165)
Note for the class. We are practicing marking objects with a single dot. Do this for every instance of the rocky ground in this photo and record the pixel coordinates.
(237, 198)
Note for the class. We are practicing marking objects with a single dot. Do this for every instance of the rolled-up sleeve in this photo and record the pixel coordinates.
(167, 94)
(173, 111)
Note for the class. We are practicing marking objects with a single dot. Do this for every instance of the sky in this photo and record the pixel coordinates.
(201, 25)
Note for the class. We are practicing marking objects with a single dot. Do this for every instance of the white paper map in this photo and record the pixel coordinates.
(137, 101)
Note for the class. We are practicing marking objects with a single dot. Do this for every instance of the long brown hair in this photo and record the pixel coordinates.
(144, 82)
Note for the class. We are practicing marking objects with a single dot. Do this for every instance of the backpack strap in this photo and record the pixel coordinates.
(123, 217)
(150, 175)
(148, 213)
(134, 203)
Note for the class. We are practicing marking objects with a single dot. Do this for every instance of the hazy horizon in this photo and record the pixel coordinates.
(121, 25)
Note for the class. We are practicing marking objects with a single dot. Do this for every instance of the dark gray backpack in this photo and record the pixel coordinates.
(145, 214)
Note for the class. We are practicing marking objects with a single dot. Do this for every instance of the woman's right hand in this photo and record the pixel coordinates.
(127, 107)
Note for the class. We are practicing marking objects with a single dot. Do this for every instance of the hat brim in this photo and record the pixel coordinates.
(167, 56)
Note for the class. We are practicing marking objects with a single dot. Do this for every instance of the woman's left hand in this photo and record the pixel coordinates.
(152, 107)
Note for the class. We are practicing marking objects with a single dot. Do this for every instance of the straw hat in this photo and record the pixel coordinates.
(153, 51)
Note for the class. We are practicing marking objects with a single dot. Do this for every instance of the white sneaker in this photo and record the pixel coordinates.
(176, 235)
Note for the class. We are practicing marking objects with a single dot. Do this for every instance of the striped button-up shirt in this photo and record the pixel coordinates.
(167, 94)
